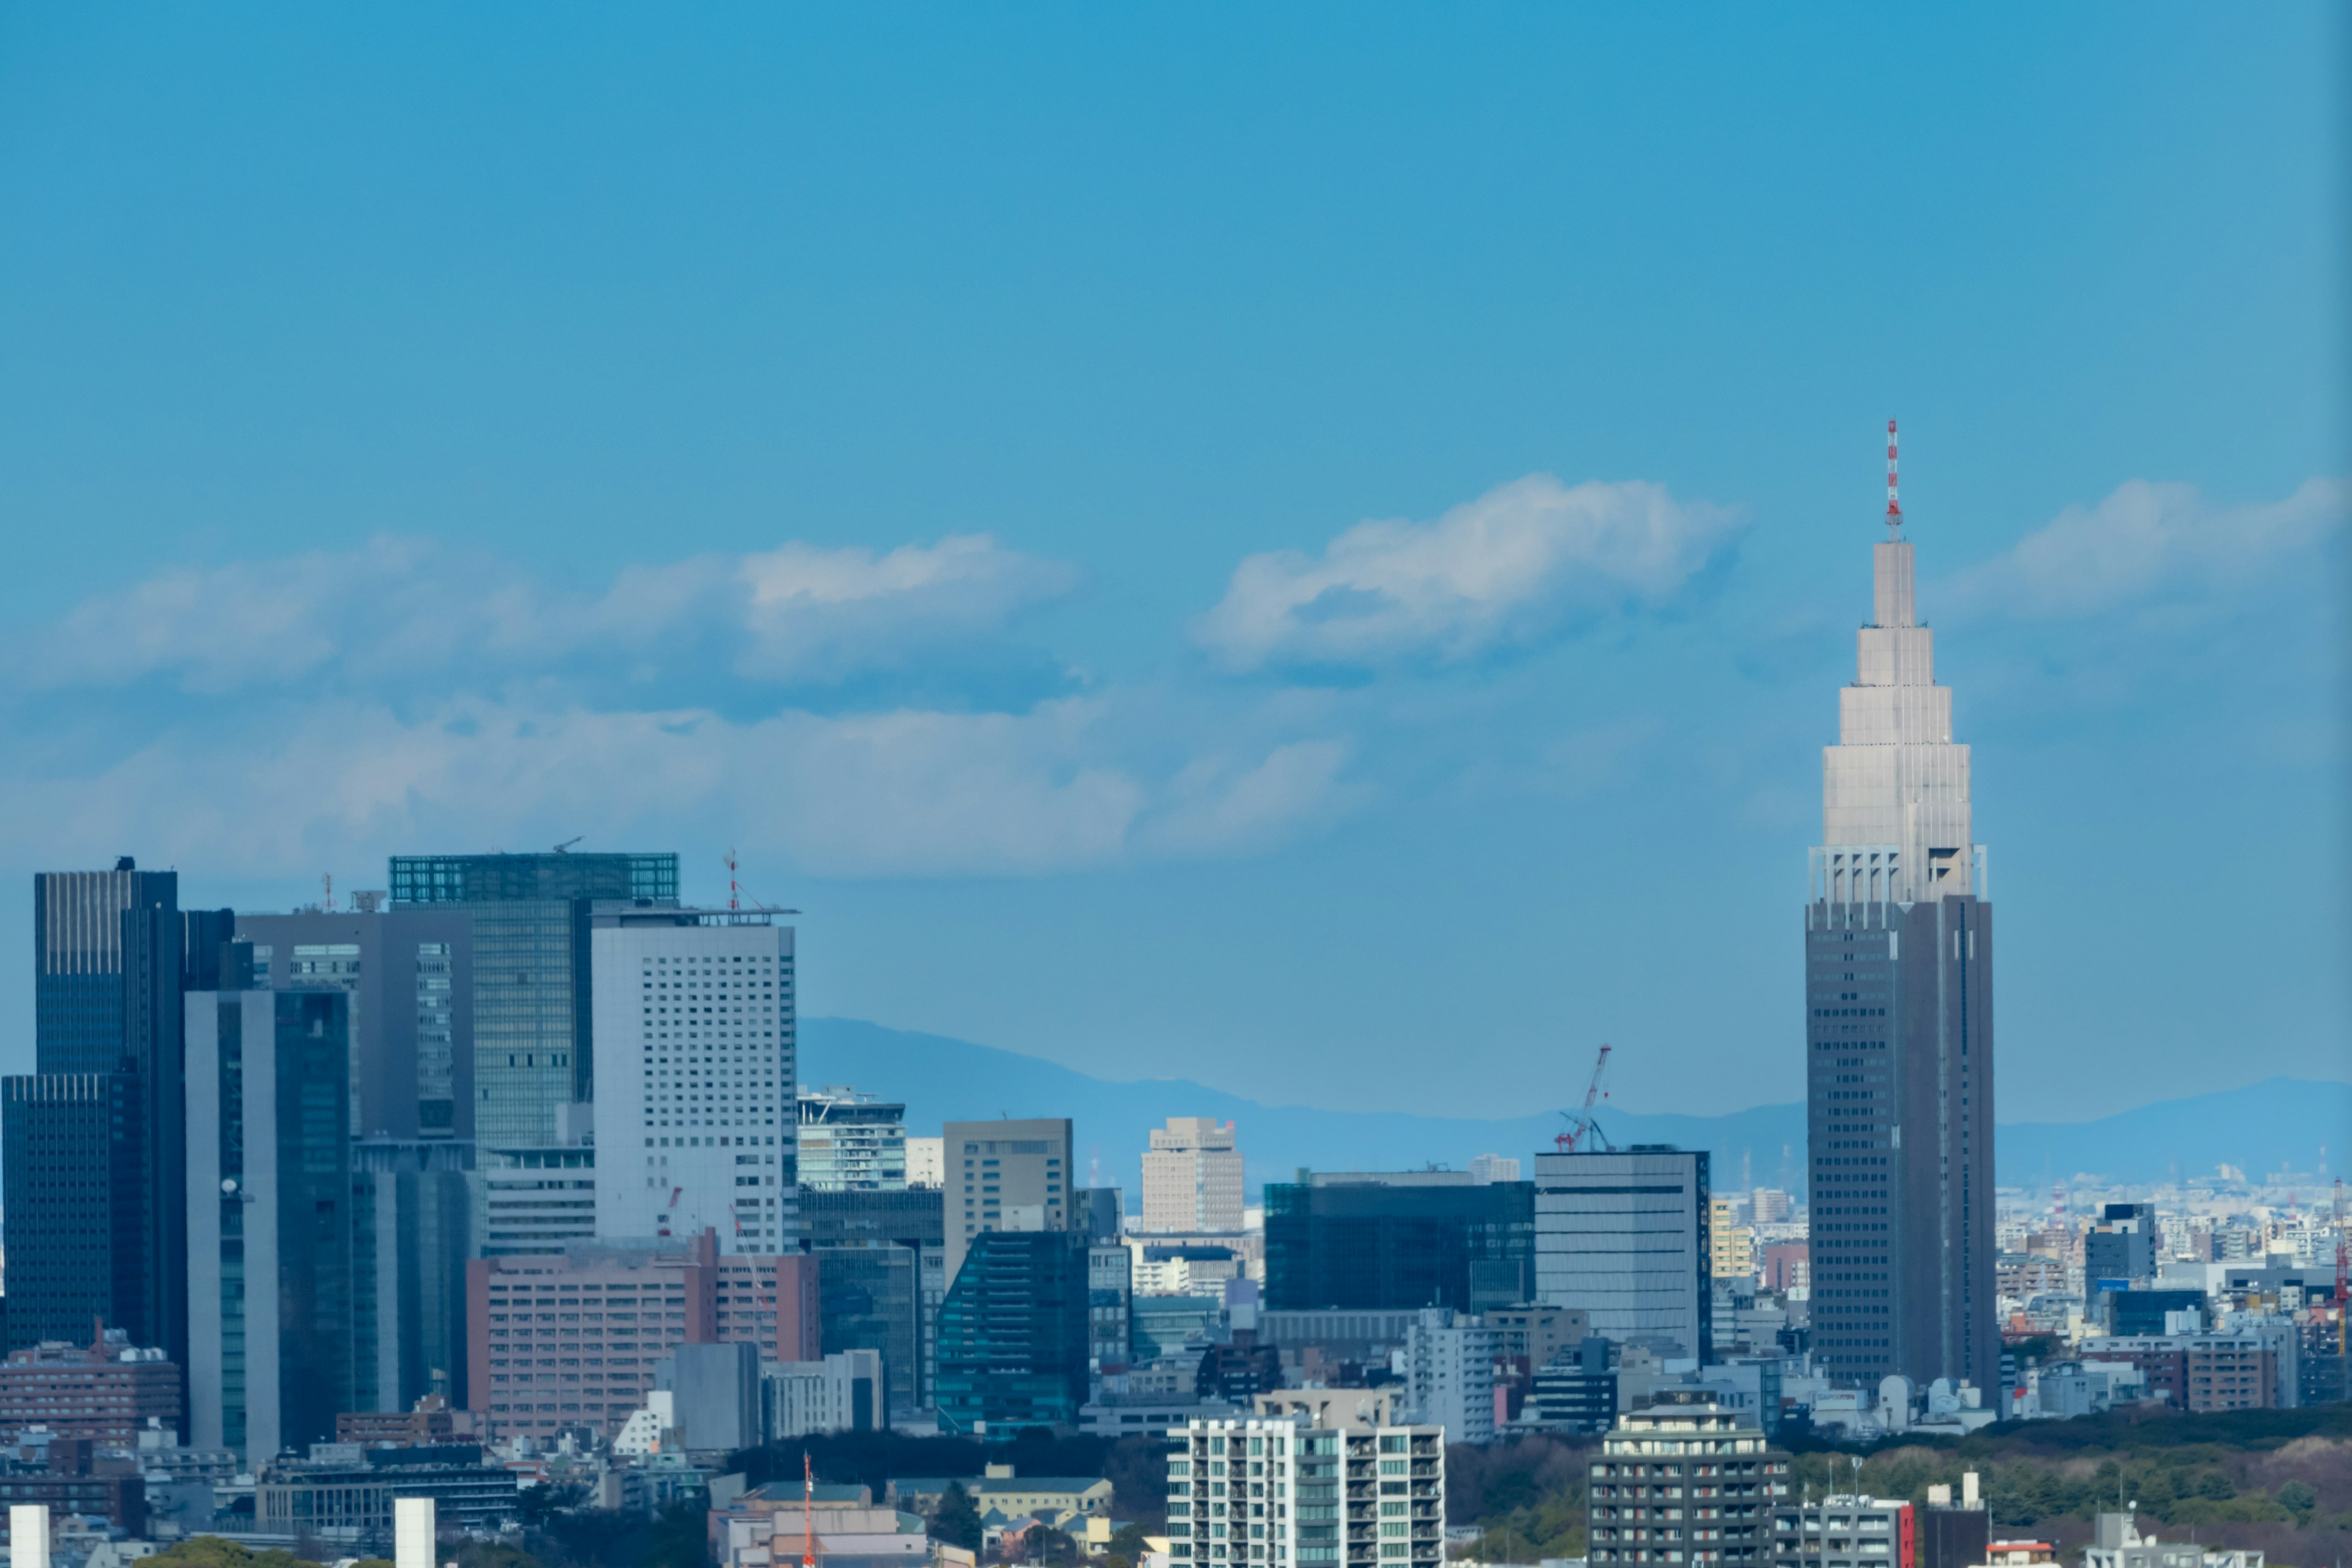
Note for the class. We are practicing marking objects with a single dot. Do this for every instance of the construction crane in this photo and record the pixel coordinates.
(565, 847)
(1581, 1125)
(808, 1512)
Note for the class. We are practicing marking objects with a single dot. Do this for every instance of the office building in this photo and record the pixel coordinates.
(1005, 1175)
(874, 1252)
(927, 1162)
(412, 1231)
(1953, 1534)
(1684, 1479)
(2122, 1245)
(345, 1493)
(1280, 1492)
(1014, 1336)
(111, 957)
(1624, 1237)
(1731, 1246)
(537, 1199)
(270, 1220)
(1899, 1041)
(103, 1392)
(2197, 1372)
(1494, 1168)
(1192, 1177)
(1534, 1335)
(574, 1339)
(1844, 1531)
(695, 1096)
(840, 1392)
(1577, 1392)
(409, 976)
(851, 1143)
(72, 1158)
(534, 1037)
(1449, 1374)
(1400, 1240)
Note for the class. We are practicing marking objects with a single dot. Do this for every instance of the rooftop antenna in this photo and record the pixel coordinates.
(734, 890)
(1893, 507)
(327, 880)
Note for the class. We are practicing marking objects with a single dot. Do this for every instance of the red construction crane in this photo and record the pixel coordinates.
(1581, 1125)
(808, 1512)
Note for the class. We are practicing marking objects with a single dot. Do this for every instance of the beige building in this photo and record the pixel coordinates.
(1192, 1177)
(1005, 1175)
(1731, 1246)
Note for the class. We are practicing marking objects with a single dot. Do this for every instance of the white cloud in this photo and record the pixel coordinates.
(2147, 542)
(395, 608)
(1498, 570)
(302, 785)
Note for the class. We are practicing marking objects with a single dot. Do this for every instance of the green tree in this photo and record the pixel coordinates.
(956, 1521)
(1127, 1541)
(2299, 1498)
(494, 1554)
(2217, 1486)
(218, 1551)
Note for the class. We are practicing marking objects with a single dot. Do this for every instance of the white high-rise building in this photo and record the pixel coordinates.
(697, 1100)
(1279, 1492)
(1449, 1374)
(1192, 1177)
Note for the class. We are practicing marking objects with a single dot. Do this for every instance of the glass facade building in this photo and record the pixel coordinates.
(535, 1047)
(1399, 1240)
(112, 957)
(1014, 1334)
(271, 1288)
(871, 1249)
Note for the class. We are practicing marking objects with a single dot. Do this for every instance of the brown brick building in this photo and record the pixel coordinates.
(104, 1392)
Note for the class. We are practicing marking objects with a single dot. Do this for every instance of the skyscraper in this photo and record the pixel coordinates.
(111, 956)
(1624, 1236)
(697, 1100)
(534, 1041)
(1192, 1177)
(1899, 1046)
(1005, 1175)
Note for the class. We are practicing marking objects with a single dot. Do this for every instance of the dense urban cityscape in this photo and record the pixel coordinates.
(496, 1195)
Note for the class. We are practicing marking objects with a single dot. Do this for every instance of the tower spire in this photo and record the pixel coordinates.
(1893, 507)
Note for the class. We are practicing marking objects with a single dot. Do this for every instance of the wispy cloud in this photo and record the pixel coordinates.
(398, 607)
(1503, 569)
(2146, 543)
(304, 783)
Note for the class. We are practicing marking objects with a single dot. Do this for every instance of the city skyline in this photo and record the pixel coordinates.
(988, 571)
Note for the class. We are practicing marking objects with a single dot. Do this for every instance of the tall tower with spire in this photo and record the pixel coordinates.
(1898, 986)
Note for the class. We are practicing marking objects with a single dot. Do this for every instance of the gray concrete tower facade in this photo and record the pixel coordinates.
(1899, 1044)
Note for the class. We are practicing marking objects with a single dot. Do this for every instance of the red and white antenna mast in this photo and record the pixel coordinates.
(808, 1512)
(734, 892)
(1894, 506)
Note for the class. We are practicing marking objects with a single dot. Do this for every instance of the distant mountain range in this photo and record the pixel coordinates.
(2284, 1123)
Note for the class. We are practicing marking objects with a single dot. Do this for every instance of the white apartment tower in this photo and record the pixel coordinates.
(1192, 1177)
(697, 1102)
(1279, 1492)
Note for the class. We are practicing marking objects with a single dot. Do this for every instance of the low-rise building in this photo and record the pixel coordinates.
(1684, 1479)
(770, 1537)
(2197, 1372)
(2116, 1542)
(842, 1392)
(1057, 1500)
(105, 1390)
(343, 1492)
(1850, 1532)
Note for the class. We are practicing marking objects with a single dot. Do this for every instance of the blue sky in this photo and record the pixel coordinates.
(1308, 552)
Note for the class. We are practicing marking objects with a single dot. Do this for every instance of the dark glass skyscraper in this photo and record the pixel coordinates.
(1899, 987)
(1399, 1240)
(110, 959)
(535, 1047)
(1014, 1334)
